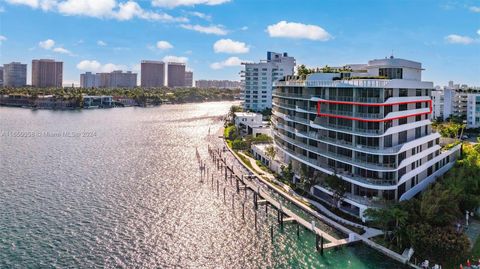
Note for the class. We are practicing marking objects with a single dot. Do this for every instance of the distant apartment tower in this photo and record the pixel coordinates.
(259, 78)
(220, 84)
(1, 76)
(473, 110)
(152, 74)
(89, 80)
(464, 103)
(47, 73)
(117, 79)
(14, 74)
(176, 75)
(188, 79)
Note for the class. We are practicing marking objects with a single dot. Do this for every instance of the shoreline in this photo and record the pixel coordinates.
(139, 106)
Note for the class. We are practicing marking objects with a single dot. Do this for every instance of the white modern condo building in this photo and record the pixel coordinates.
(369, 124)
(258, 78)
(460, 102)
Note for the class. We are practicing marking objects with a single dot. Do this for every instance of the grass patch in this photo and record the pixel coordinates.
(245, 160)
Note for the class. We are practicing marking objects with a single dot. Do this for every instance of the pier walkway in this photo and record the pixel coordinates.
(230, 157)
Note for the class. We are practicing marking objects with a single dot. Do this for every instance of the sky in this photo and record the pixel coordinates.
(213, 37)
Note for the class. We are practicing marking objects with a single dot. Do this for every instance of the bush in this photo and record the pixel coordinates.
(239, 144)
(230, 133)
(261, 138)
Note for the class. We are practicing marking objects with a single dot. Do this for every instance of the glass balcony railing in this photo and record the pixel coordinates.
(352, 161)
(341, 172)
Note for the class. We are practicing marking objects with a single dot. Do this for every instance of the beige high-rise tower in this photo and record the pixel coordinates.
(47, 73)
(152, 74)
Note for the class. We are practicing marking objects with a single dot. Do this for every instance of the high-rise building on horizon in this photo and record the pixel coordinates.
(176, 75)
(1, 76)
(14, 74)
(188, 79)
(152, 74)
(117, 79)
(259, 77)
(89, 80)
(373, 133)
(220, 84)
(47, 73)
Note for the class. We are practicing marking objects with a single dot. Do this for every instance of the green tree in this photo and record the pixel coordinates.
(287, 172)
(338, 186)
(271, 152)
(439, 206)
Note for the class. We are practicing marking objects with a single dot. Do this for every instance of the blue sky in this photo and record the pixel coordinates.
(213, 36)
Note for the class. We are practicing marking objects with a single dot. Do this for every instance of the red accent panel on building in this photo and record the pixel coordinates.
(372, 104)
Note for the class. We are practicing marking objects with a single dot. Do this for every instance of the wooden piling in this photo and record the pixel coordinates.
(321, 245)
(271, 232)
(298, 229)
(243, 211)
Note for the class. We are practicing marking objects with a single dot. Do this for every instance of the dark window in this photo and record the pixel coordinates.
(388, 141)
(418, 132)
(402, 156)
(402, 137)
(402, 121)
(402, 107)
(391, 73)
(403, 92)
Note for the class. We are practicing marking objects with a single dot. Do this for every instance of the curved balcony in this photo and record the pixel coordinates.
(316, 124)
(382, 184)
(349, 160)
(359, 148)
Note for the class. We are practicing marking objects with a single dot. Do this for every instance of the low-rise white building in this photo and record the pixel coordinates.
(249, 123)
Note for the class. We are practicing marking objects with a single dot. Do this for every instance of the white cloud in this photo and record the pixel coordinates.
(164, 45)
(102, 43)
(47, 44)
(176, 3)
(108, 9)
(230, 46)
(298, 31)
(62, 50)
(87, 65)
(201, 15)
(475, 9)
(244, 28)
(478, 31)
(458, 39)
(2, 38)
(95, 66)
(232, 61)
(175, 59)
(31, 3)
(112, 67)
(212, 29)
(91, 8)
